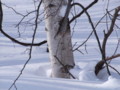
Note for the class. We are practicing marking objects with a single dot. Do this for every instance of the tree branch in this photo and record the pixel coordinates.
(11, 38)
(111, 29)
(22, 43)
(66, 67)
(112, 57)
(64, 23)
(85, 9)
(35, 29)
(96, 35)
(84, 41)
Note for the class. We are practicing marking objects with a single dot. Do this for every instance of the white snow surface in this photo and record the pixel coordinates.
(36, 75)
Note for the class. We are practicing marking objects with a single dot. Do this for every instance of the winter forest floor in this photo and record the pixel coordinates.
(36, 75)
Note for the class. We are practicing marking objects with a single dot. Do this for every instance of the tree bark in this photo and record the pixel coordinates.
(59, 43)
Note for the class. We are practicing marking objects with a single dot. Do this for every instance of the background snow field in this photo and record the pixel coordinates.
(36, 75)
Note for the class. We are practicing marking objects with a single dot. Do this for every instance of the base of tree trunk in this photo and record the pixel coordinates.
(99, 66)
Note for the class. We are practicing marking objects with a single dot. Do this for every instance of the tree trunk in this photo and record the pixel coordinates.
(59, 43)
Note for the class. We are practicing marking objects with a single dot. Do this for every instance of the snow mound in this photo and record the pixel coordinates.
(75, 71)
(112, 83)
(87, 74)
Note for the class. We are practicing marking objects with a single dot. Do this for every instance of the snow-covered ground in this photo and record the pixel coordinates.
(36, 75)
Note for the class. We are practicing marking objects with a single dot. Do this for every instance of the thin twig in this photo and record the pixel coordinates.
(30, 53)
(114, 69)
(85, 9)
(84, 41)
(111, 29)
(13, 39)
(64, 67)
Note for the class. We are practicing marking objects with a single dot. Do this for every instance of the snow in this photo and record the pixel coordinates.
(112, 82)
(87, 74)
(36, 75)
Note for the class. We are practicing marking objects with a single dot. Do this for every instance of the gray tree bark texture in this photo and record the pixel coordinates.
(59, 42)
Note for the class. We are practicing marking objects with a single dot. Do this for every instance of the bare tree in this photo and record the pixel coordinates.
(59, 37)
(58, 34)
(107, 34)
(58, 31)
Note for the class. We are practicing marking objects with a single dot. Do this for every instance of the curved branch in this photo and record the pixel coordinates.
(78, 4)
(97, 38)
(22, 43)
(13, 39)
(31, 47)
(1, 15)
(85, 9)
